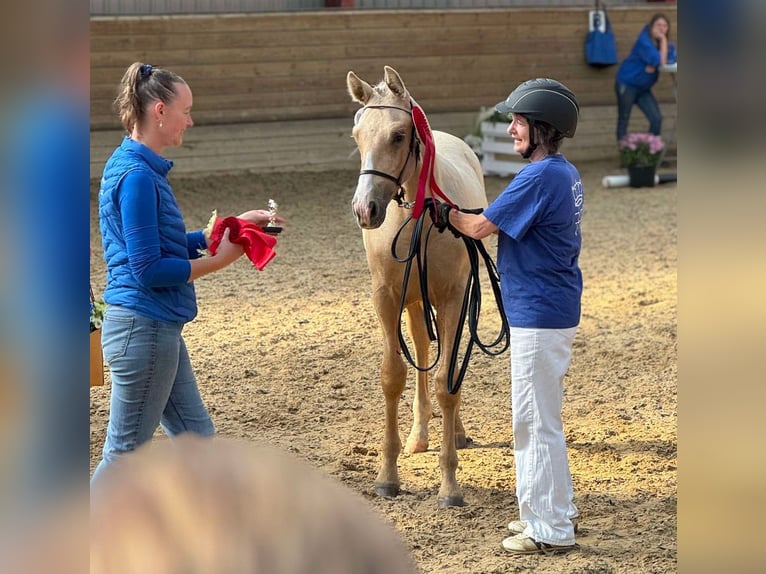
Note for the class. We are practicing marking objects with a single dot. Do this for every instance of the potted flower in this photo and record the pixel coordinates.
(641, 153)
(97, 308)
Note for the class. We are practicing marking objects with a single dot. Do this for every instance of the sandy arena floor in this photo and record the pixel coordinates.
(290, 356)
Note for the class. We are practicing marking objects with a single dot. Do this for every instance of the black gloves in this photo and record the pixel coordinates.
(440, 215)
(439, 212)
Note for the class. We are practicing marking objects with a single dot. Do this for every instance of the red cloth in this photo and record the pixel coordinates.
(257, 243)
(427, 178)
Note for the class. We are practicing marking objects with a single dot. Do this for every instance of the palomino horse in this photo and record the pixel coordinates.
(391, 160)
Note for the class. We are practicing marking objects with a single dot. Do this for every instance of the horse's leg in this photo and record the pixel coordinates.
(421, 404)
(393, 377)
(461, 440)
(450, 493)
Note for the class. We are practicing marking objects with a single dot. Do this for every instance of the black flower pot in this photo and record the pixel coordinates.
(641, 175)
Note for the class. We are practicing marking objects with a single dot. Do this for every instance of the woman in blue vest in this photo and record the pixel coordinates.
(537, 220)
(640, 71)
(151, 263)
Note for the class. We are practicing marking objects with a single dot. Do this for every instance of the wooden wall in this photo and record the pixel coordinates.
(264, 67)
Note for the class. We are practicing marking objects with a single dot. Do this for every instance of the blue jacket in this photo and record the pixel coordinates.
(172, 298)
(644, 53)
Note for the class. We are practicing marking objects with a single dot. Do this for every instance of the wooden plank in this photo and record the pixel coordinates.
(258, 112)
(274, 44)
(191, 54)
(426, 69)
(414, 71)
(245, 96)
(229, 64)
(400, 19)
(263, 108)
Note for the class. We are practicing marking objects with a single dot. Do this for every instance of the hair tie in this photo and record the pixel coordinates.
(146, 70)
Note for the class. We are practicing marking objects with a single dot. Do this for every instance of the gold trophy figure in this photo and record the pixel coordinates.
(271, 226)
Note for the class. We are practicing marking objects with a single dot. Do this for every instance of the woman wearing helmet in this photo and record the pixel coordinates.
(537, 219)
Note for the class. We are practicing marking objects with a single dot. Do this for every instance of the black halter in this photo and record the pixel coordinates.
(413, 151)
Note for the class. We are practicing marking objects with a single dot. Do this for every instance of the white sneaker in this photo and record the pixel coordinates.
(523, 544)
(518, 526)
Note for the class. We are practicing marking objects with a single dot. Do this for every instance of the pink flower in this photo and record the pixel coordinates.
(639, 148)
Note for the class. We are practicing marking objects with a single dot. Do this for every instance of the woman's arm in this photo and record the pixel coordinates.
(140, 225)
(663, 47)
(138, 207)
(472, 224)
(226, 254)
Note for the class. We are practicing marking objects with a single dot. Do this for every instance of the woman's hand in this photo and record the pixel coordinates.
(227, 252)
(260, 217)
(663, 47)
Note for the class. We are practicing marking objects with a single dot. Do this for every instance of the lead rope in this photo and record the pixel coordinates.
(429, 316)
(470, 308)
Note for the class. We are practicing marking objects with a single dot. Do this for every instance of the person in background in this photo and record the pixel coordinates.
(151, 263)
(537, 219)
(639, 72)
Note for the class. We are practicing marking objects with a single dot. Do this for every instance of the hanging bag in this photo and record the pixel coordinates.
(600, 44)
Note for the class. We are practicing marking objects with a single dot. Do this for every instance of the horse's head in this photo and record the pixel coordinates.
(385, 135)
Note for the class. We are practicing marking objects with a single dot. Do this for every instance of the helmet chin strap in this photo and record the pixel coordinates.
(532, 144)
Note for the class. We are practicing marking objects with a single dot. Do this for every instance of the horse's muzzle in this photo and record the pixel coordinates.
(370, 216)
(370, 212)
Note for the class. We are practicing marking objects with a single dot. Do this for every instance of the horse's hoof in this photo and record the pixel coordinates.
(387, 490)
(447, 501)
(462, 441)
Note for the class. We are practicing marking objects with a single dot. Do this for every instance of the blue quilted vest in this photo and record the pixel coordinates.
(177, 303)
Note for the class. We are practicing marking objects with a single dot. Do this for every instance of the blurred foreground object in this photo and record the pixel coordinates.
(44, 230)
(195, 505)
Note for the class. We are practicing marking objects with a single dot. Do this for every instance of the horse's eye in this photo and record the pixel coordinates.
(397, 138)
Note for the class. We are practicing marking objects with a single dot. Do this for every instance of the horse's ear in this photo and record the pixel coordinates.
(394, 82)
(359, 90)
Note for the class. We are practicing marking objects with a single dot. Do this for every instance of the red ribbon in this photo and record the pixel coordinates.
(257, 243)
(426, 179)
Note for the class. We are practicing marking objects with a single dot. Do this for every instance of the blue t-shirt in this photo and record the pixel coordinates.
(539, 238)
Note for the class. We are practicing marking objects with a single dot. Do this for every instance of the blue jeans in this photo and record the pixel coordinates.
(152, 383)
(627, 97)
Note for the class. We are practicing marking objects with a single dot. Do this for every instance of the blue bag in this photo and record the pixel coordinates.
(600, 44)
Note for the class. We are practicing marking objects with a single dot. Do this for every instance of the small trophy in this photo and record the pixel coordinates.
(272, 226)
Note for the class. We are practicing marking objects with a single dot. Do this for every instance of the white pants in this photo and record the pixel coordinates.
(539, 361)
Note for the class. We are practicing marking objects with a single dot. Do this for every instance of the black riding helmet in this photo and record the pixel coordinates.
(544, 100)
